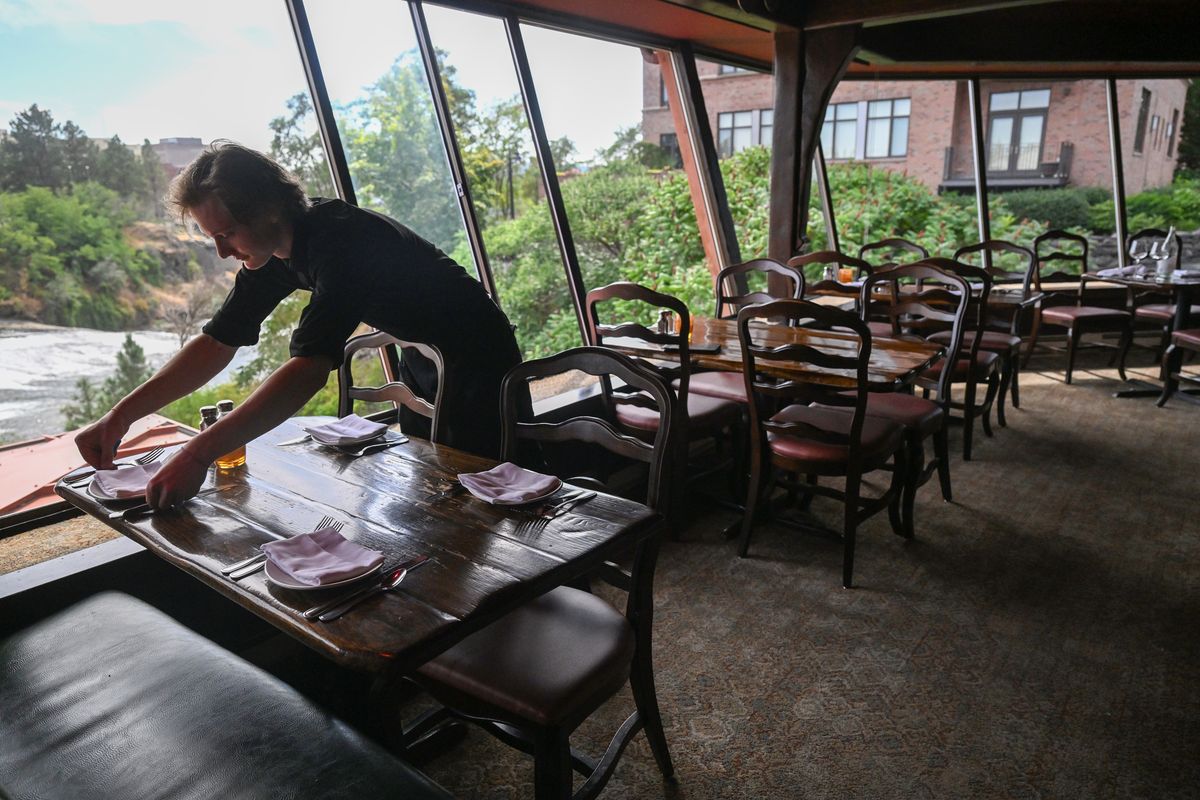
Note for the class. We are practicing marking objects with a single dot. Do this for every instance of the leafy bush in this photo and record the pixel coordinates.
(1057, 208)
(1177, 204)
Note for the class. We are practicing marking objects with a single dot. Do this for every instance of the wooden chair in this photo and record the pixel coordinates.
(395, 391)
(890, 249)
(1003, 335)
(940, 302)
(819, 286)
(975, 365)
(1172, 362)
(697, 416)
(807, 428)
(534, 676)
(1144, 303)
(1053, 264)
(730, 299)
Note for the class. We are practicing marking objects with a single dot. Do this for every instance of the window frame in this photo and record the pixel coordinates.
(1143, 118)
(1018, 114)
(889, 121)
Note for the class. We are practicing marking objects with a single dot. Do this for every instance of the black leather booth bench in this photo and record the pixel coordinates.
(111, 698)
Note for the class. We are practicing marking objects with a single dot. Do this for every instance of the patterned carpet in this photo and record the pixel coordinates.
(1039, 639)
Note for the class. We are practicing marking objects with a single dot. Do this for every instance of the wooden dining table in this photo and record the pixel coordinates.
(484, 560)
(893, 362)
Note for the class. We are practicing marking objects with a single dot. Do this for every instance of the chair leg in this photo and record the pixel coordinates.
(806, 501)
(1072, 341)
(989, 399)
(968, 418)
(941, 449)
(1006, 372)
(1015, 387)
(850, 529)
(1172, 362)
(901, 491)
(1035, 329)
(1126, 341)
(641, 682)
(916, 465)
(757, 467)
(552, 773)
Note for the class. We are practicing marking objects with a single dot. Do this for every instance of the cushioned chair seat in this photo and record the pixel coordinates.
(1069, 315)
(702, 411)
(880, 437)
(113, 699)
(1189, 338)
(915, 413)
(1162, 311)
(984, 362)
(993, 341)
(518, 666)
(883, 329)
(729, 386)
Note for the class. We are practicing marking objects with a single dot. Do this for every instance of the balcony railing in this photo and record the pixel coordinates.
(1030, 165)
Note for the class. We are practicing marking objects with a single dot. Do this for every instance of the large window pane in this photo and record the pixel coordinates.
(98, 114)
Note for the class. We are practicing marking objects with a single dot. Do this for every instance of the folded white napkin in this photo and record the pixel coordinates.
(509, 485)
(1119, 272)
(126, 482)
(350, 429)
(321, 557)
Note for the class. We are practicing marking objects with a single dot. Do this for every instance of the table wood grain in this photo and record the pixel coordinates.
(484, 560)
(893, 362)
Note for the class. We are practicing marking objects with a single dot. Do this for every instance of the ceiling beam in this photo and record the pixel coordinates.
(870, 13)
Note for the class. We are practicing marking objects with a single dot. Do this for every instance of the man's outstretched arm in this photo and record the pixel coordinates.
(279, 397)
(194, 365)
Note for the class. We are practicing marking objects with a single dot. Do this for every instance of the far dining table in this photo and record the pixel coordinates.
(484, 560)
(893, 364)
(1184, 291)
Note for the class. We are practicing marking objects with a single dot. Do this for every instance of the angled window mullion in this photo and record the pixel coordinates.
(1120, 218)
(335, 154)
(831, 231)
(453, 155)
(558, 209)
(980, 162)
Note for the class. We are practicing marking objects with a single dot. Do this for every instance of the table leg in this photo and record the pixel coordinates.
(1140, 388)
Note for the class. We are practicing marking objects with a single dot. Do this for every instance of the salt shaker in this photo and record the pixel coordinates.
(665, 322)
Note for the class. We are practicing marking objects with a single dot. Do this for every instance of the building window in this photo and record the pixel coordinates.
(1139, 133)
(670, 143)
(734, 132)
(729, 69)
(887, 128)
(662, 92)
(840, 131)
(1155, 122)
(1171, 126)
(766, 126)
(1016, 122)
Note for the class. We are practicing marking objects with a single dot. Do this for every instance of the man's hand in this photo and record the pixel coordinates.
(98, 442)
(180, 477)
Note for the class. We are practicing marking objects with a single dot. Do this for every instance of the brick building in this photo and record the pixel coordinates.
(1038, 133)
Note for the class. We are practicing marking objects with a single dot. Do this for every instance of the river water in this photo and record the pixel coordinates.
(39, 366)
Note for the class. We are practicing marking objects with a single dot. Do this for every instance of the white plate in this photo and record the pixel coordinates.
(531, 500)
(279, 578)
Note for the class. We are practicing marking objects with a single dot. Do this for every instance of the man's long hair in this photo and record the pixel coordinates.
(250, 184)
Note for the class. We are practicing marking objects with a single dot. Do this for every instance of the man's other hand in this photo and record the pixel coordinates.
(180, 477)
(98, 442)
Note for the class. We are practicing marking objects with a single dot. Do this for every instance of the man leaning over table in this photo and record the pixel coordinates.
(360, 267)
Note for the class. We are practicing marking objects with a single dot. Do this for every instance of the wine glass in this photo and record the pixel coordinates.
(1138, 252)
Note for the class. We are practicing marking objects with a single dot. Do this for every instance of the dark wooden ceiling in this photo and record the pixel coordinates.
(915, 38)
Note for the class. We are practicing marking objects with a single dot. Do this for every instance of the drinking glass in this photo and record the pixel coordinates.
(1138, 252)
(846, 275)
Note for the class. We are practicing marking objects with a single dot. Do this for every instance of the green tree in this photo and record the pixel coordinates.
(117, 168)
(154, 181)
(301, 153)
(90, 403)
(1189, 136)
(79, 154)
(30, 155)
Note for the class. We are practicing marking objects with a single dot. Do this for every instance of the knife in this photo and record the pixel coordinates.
(329, 605)
(564, 507)
(144, 508)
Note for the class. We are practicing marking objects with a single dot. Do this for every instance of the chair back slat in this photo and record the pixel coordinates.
(938, 299)
(732, 292)
(394, 391)
(1061, 256)
(891, 248)
(1026, 261)
(848, 352)
(606, 364)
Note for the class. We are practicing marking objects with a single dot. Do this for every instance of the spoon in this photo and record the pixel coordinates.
(391, 582)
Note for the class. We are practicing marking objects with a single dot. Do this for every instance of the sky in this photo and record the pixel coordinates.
(151, 69)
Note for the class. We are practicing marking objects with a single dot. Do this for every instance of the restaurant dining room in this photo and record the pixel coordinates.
(599, 398)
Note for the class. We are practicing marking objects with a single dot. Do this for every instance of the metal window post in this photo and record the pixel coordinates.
(1118, 171)
(831, 231)
(980, 160)
(454, 158)
(326, 123)
(558, 210)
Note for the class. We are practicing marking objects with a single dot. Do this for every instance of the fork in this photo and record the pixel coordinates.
(257, 561)
(145, 458)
